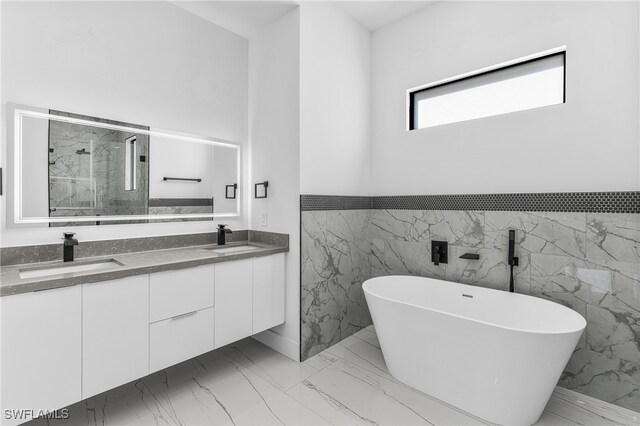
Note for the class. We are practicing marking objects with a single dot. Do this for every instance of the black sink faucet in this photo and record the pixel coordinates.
(222, 232)
(68, 244)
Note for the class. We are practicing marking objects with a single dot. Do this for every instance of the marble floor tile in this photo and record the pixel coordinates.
(583, 409)
(348, 394)
(321, 360)
(275, 368)
(247, 383)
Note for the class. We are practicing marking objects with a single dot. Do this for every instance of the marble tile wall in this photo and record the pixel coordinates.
(589, 262)
(335, 261)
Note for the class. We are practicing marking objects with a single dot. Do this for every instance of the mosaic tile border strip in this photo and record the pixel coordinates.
(590, 202)
(334, 202)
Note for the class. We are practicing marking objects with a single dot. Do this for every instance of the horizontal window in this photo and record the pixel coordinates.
(533, 83)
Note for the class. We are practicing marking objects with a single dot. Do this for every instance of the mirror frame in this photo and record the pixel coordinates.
(20, 111)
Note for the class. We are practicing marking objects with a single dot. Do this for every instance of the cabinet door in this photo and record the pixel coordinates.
(268, 292)
(115, 333)
(233, 301)
(41, 350)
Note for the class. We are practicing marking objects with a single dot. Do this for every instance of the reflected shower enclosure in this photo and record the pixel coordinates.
(95, 171)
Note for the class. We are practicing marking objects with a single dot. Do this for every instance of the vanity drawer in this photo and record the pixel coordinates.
(179, 292)
(177, 339)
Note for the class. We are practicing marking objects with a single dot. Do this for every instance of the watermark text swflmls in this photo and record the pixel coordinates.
(29, 414)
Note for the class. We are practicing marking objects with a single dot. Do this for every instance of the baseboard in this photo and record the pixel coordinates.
(285, 346)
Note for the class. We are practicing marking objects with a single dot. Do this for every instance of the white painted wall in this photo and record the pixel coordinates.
(335, 102)
(591, 143)
(274, 122)
(142, 62)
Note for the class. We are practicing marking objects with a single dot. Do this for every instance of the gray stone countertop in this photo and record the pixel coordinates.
(130, 264)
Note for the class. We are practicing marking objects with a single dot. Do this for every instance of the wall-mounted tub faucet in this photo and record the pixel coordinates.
(222, 233)
(512, 260)
(439, 252)
(69, 242)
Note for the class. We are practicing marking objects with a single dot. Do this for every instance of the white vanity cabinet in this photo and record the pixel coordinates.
(234, 301)
(115, 333)
(63, 345)
(41, 350)
(268, 292)
(181, 316)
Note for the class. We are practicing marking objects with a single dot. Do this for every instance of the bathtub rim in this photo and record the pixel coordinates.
(519, 295)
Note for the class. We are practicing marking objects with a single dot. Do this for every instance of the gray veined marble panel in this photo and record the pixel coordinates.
(600, 376)
(314, 225)
(406, 225)
(610, 335)
(332, 302)
(335, 262)
(607, 362)
(459, 228)
(346, 226)
(606, 294)
(378, 265)
(558, 278)
(546, 233)
(411, 258)
(613, 236)
(613, 314)
(491, 270)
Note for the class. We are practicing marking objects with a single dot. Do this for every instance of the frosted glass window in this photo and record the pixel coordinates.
(532, 84)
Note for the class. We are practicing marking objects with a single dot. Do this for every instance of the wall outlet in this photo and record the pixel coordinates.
(263, 219)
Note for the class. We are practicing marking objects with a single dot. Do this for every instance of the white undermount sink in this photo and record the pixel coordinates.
(234, 249)
(66, 269)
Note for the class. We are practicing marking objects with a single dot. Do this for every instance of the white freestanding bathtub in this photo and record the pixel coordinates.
(494, 354)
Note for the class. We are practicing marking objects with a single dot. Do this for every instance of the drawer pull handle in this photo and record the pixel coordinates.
(188, 314)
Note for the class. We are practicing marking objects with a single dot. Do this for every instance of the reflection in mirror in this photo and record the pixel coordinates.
(96, 171)
(102, 171)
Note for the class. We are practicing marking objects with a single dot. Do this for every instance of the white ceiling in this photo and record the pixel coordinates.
(376, 14)
(247, 18)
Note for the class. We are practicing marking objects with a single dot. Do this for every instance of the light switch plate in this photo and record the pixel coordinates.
(263, 219)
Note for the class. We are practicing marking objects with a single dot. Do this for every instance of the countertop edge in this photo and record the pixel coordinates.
(58, 282)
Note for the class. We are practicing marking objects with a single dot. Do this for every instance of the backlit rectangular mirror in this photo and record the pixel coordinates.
(72, 169)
